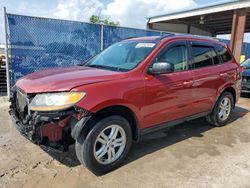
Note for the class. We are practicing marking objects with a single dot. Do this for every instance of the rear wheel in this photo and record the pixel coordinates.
(106, 145)
(222, 110)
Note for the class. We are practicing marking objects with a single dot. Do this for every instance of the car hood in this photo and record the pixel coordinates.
(65, 79)
(246, 72)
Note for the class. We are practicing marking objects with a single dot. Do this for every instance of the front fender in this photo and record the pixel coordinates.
(125, 92)
(96, 107)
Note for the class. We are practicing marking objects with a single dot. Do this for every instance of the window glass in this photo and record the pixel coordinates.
(177, 56)
(123, 56)
(223, 52)
(216, 59)
(202, 56)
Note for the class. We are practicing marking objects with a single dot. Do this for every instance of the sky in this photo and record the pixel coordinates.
(130, 13)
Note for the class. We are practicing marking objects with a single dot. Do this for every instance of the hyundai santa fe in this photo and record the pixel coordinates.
(130, 89)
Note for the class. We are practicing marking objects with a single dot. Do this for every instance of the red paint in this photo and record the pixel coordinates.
(52, 132)
(242, 69)
(153, 99)
(64, 79)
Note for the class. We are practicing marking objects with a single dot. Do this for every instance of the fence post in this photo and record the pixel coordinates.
(102, 37)
(7, 53)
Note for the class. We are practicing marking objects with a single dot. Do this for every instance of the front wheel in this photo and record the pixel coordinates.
(222, 110)
(106, 145)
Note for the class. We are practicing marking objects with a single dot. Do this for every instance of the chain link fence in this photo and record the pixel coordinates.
(42, 43)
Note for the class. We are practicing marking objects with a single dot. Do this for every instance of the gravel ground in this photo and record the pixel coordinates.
(192, 154)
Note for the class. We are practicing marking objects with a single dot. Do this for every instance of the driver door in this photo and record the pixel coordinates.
(168, 96)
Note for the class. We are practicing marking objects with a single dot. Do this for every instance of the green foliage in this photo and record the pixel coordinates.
(97, 19)
(94, 19)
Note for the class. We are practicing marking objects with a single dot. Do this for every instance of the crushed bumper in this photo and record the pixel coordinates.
(26, 131)
(53, 129)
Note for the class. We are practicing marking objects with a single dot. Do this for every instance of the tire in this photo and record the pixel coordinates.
(100, 153)
(217, 117)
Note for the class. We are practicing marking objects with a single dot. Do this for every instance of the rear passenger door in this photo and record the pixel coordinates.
(206, 70)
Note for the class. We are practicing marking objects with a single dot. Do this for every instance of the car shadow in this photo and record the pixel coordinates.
(245, 95)
(195, 128)
(155, 141)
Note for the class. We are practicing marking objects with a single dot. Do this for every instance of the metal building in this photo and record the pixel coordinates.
(231, 17)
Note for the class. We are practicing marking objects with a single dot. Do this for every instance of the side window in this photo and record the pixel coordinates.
(203, 56)
(223, 52)
(177, 55)
(216, 58)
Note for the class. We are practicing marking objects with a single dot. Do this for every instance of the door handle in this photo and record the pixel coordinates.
(188, 82)
(223, 74)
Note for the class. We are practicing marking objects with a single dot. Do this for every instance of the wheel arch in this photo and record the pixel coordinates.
(120, 110)
(231, 90)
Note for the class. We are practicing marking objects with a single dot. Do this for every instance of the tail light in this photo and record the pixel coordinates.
(242, 69)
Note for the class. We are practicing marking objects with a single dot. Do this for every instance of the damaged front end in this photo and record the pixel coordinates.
(55, 129)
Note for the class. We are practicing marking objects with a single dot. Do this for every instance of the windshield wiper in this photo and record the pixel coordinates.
(108, 68)
(99, 66)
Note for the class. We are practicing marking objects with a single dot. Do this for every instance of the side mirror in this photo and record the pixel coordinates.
(161, 68)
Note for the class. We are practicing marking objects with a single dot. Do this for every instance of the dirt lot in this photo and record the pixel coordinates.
(193, 154)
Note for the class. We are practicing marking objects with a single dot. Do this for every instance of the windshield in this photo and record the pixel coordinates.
(246, 64)
(123, 56)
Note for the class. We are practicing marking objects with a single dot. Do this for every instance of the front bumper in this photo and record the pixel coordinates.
(24, 130)
(52, 129)
(37, 125)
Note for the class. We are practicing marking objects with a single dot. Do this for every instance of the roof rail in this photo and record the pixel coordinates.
(197, 36)
(163, 36)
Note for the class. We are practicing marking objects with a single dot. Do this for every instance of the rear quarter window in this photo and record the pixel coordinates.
(223, 52)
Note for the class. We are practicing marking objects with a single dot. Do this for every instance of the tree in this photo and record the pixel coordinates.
(97, 19)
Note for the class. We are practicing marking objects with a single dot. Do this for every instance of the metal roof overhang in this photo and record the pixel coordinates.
(217, 18)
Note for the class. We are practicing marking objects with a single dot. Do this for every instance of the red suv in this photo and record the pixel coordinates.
(130, 89)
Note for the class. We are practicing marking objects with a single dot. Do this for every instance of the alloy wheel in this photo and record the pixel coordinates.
(110, 144)
(225, 108)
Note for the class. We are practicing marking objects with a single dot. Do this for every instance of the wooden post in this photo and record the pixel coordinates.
(237, 33)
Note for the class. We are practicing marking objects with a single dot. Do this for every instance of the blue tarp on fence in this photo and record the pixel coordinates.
(113, 34)
(40, 43)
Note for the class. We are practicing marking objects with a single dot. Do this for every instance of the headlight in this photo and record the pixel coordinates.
(55, 101)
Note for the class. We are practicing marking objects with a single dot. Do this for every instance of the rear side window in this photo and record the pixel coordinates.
(202, 56)
(223, 52)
